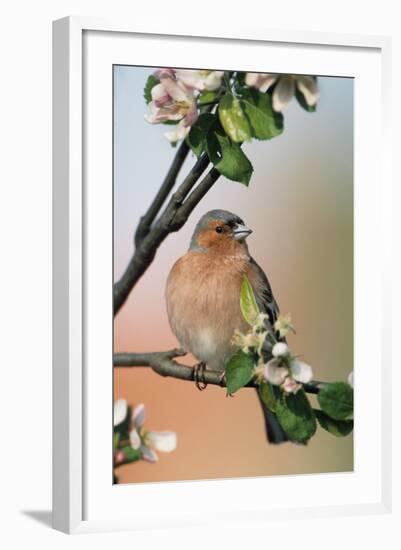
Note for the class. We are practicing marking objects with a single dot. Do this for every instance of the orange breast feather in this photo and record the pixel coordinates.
(203, 303)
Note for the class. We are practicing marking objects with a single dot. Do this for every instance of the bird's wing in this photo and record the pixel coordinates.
(265, 298)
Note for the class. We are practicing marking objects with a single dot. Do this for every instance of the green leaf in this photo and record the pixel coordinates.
(264, 121)
(249, 307)
(339, 428)
(233, 119)
(196, 138)
(301, 100)
(227, 156)
(116, 440)
(296, 416)
(239, 371)
(150, 83)
(207, 96)
(267, 395)
(337, 400)
(131, 455)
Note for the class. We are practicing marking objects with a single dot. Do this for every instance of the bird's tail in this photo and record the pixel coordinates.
(274, 432)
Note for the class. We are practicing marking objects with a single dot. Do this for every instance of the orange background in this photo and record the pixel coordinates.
(300, 206)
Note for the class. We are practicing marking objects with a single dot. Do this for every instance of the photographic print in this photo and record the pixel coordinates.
(233, 274)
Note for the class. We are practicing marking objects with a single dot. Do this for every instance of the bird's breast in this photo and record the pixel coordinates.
(203, 304)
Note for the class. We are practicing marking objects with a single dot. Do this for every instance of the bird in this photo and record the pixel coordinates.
(203, 296)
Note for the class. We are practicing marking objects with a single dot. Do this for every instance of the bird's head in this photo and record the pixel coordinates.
(220, 231)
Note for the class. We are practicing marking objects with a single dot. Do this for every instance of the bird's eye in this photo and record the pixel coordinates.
(219, 229)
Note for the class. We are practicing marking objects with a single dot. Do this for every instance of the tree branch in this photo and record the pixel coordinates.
(172, 219)
(146, 221)
(163, 363)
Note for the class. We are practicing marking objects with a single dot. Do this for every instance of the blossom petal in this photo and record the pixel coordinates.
(157, 115)
(134, 439)
(165, 441)
(279, 349)
(180, 131)
(191, 79)
(283, 325)
(261, 81)
(251, 79)
(162, 73)
(119, 457)
(175, 89)
(266, 82)
(149, 454)
(302, 372)
(351, 379)
(192, 115)
(309, 89)
(160, 95)
(213, 80)
(154, 116)
(274, 374)
(138, 415)
(283, 92)
(120, 411)
(290, 385)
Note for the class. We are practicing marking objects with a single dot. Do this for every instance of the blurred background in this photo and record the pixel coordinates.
(300, 206)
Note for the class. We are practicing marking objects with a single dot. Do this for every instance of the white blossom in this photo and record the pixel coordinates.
(120, 411)
(165, 441)
(283, 325)
(172, 100)
(351, 379)
(200, 80)
(280, 349)
(274, 373)
(302, 372)
(249, 340)
(135, 439)
(285, 88)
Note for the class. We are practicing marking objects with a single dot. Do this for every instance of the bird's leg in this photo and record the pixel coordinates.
(199, 376)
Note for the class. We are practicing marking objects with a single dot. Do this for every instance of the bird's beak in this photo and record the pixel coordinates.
(241, 232)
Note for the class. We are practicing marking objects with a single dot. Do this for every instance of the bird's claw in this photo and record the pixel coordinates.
(199, 376)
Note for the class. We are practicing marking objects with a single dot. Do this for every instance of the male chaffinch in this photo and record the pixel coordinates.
(203, 290)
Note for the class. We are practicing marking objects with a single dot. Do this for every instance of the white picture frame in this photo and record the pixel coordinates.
(79, 484)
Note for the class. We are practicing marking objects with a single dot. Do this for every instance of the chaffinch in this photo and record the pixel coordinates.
(203, 290)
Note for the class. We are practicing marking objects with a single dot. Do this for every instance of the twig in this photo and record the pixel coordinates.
(172, 219)
(163, 363)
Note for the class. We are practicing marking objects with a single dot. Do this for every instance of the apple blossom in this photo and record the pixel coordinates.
(165, 441)
(351, 379)
(148, 441)
(290, 385)
(288, 377)
(149, 455)
(200, 80)
(249, 340)
(302, 372)
(283, 325)
(274, 373)
(280, 349)
(135, 439)
(172, 101)
(285, 88)
(119, 457)
(120, 411)
(260, 322)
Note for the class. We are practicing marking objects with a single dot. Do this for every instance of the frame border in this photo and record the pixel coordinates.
(68, 250)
